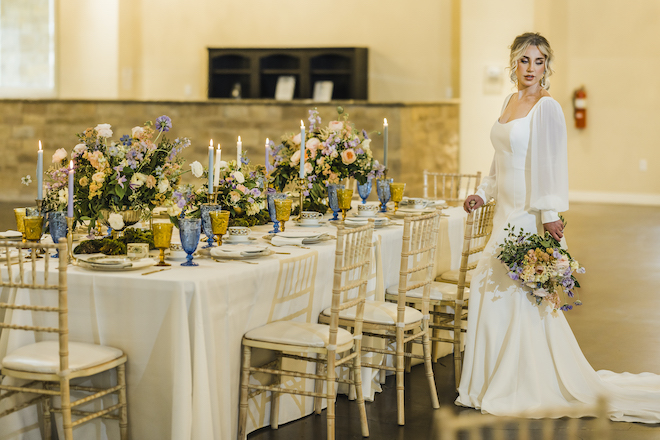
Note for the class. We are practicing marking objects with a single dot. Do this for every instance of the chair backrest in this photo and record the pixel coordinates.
(352, 268)
(420, 238)
(33, 271)
(453, 188)
(487, 426)
(478, 229)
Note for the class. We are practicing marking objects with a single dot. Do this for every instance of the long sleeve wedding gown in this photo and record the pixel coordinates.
(520, 356)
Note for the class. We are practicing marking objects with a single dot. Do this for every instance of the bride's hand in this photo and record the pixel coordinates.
(556, 229)
(478, 201)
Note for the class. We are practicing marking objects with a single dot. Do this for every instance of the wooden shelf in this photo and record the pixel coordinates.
(256, 70)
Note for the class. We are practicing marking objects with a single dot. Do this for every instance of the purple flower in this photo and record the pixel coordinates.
(245, 160)
(255, 192)
(364, 134)
(163, 123)
(359, 151)
(271, 191)
(578, 302)
(514, 276)
(121, 181)
(250, 200)
(306, 193)
(581, 270)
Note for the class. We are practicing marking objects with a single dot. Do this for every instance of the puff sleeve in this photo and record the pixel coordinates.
(549, 161)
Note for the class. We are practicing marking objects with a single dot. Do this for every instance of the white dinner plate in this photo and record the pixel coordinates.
(229, 240)
(11, 235)
(310, 225)
(114, 263)
(240, 252)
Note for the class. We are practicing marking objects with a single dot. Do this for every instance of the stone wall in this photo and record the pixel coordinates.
(421, 136)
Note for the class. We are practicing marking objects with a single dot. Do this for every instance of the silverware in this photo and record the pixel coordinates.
(240, 261)
(157, 270)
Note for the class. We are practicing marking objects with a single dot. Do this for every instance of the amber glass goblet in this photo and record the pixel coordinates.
(344, 197)
(34, 228)
(396, 189)
(19, 213)
(162, 239)
(219, 223)
(283, 210)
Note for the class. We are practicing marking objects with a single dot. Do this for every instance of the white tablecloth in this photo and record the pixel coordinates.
(182, 330)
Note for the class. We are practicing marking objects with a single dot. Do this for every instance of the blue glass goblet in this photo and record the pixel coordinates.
(383, 189)
(364, 190)
(332, 199)
(190, 230)
(57, 227)
(206, 223)
(270, 197)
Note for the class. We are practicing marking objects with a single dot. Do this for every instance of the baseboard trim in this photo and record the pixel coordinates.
(613, 198)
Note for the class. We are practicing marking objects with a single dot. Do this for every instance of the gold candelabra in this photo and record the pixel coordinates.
(69, 238)
(301, 188)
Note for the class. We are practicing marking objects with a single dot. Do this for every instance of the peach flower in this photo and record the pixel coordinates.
(348, 156)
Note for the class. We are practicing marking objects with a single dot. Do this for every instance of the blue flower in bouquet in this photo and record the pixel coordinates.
(126, 140)
(163, 123)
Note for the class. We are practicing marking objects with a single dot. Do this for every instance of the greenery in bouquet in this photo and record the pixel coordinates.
(240, 191)
(137, 172)
(332, 153)
(542, 267)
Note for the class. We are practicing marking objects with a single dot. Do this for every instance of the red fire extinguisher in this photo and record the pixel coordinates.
(580, 108)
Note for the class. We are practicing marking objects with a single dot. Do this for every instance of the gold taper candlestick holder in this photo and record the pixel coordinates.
(40, 203)
(69, 237)
(301, 187)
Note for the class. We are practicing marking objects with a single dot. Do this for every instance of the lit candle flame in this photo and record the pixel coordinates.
(211, 144)
(39, 145)
(239, 139)
(385, 121)
(71, 165)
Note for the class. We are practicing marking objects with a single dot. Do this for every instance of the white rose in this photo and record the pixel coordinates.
(59, 155)
(63, 195)
(541, 293)
(308, 168)
(137, 131)
(163, 186)
(335, 125)
(296, 139)
(238, 176)
(173, 211)
(80, 148)
(222, 164)
(197, 169)
(365, 145)
(138, 180)
(103, 130)
(116, 221)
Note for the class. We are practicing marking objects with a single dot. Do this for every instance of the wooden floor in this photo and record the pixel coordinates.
(618, 327)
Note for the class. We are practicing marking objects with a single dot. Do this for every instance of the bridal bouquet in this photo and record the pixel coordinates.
(542, 267)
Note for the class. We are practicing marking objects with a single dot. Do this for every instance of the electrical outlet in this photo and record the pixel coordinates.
(643, 165)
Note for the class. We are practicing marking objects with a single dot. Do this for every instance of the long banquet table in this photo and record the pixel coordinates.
(182, 330)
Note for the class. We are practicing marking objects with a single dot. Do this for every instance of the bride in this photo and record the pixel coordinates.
(520, 356)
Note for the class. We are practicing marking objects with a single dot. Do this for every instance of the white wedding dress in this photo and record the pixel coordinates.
(520, 356)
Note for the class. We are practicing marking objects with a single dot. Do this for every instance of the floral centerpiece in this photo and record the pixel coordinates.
(137, 172)
(240, 191)
(542, 267)
(332, 153)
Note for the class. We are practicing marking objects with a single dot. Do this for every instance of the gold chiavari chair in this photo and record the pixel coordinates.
(483, 228)
(49, 366)
(450, 187)
(448, 302)
(398, 323)
(487, 426)
(334, 346)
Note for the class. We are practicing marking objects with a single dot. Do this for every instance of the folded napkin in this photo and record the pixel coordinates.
(236, 251)
(10, 234)
(277, 240)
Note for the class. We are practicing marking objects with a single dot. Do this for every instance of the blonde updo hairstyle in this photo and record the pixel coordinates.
(518, 48)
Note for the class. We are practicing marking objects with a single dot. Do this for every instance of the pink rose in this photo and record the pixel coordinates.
(296, 139)
(335, 125)
(313, 144)
(242, 188)
(348, 156)
(562, 263)
(295, 157)
(308, 168)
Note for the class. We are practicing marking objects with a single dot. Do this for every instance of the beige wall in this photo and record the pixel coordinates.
(610, 47)
(163, 43)
(87, 49)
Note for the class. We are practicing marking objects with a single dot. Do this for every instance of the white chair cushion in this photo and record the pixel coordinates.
(452, 276)
(439, 291)
(303, 334)
(379, 312)
(44, 357)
